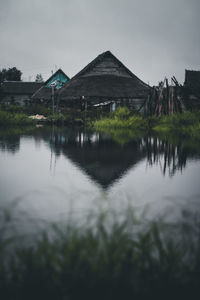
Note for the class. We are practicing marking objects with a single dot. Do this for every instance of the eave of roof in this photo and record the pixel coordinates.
(20, 87)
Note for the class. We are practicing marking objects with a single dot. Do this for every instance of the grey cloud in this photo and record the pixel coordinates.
(154, 38)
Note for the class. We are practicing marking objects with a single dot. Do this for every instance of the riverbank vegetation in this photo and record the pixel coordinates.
(8, 118)
(118, 261)
(18, 115)
(186, 123)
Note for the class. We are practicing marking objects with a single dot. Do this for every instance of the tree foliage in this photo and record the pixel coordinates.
(10, 74)
(39, 78)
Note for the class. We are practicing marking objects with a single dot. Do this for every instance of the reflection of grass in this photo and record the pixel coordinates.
(12, 131)
(190, 144)
(115, 262)
(122, 136)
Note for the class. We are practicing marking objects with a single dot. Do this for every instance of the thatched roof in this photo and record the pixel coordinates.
(42, 93)
(104, 77)
(192, 81)
(20, 87)
(45, 91)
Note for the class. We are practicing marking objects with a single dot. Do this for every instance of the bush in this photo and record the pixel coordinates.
(122, 113)
(122, 118)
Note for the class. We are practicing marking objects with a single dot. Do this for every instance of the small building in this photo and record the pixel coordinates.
(192, 88)
(105, 80)
(50, 87)
(18, 92)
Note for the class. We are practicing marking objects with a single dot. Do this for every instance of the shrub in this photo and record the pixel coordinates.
(122, 113)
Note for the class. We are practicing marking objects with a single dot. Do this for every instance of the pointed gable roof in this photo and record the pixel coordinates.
(44, 92)
(105, 76)
(110, 62)
(59, 71)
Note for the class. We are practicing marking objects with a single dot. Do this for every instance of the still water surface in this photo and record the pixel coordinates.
(58, 174)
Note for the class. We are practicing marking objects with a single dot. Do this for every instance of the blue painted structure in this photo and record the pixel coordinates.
(57, 80)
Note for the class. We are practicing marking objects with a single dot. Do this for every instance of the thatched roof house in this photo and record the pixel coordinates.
(105, 78)
(18, 91)
(57, 80)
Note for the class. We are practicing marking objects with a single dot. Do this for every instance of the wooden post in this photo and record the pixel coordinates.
(52, 92)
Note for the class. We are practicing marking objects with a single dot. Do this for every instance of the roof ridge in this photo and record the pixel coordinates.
(92, 63)
(99, 58)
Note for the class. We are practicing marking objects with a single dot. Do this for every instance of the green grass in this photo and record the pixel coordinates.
(185, 124)
(109, 260)
(122, 118)
(28, 110)
(7, 118)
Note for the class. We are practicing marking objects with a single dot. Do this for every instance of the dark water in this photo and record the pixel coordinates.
(58, 174)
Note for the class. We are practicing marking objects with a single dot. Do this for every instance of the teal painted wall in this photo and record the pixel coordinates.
(59, 79)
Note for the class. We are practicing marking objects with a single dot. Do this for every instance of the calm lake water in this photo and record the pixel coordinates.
(58, 174)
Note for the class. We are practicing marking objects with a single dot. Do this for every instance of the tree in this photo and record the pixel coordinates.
(39, 78)
(11, 74)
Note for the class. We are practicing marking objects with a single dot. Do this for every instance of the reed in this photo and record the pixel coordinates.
(110, 260)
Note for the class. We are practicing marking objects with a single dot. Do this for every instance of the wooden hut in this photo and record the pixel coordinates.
(192, 88)
(18, 92)
(102, 80)
(50, 87)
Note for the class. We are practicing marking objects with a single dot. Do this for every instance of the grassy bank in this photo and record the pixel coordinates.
(187, 123)
(115, 262)
(121, 118)
(18, 115)
(8, 118)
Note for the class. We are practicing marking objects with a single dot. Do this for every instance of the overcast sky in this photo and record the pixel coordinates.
(153, 38)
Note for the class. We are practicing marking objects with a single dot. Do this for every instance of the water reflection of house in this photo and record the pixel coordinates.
(105, 161)
(105, 79)
(192, 87)
(101, 158)
(18, 92)
(49, 87)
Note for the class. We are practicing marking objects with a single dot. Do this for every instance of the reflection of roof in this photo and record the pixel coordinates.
(104, 160)
(105, 76)
(20, 87)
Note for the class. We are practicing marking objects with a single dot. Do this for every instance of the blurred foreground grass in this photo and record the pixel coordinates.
(106, 260)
